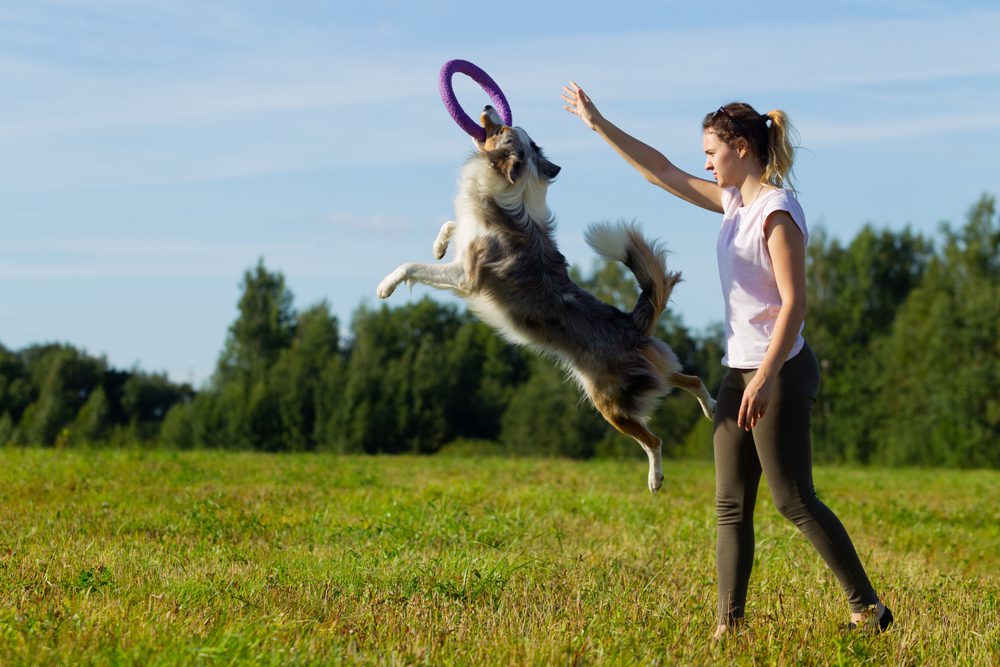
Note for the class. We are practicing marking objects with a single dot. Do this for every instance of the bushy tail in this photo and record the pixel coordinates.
(623, 242)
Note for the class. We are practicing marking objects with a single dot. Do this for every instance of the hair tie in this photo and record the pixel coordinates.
(768, 121)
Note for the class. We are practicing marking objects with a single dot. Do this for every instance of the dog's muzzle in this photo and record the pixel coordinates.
(491, 121)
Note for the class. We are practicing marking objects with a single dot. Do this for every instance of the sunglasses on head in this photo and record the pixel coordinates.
(725, 112)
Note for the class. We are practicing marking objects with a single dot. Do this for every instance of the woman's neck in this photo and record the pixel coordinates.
(752, 188)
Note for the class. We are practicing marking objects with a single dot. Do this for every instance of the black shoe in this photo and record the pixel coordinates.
(885, 620)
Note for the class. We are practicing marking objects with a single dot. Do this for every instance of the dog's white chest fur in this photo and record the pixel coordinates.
(469, 227)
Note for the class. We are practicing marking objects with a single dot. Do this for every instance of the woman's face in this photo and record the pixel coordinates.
(723, 161)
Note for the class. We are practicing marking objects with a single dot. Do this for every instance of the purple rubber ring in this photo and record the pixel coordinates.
(471, 127)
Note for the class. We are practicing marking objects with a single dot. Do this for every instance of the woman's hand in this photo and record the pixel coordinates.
(579, 104)
(756, 398)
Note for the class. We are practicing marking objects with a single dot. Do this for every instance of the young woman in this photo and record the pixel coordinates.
(762, 419)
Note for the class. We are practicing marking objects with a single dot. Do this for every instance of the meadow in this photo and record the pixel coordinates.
(159, 557)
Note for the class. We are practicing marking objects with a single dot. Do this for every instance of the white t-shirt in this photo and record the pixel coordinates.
(748, 285)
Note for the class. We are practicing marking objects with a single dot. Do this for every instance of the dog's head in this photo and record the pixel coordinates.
(511, 151)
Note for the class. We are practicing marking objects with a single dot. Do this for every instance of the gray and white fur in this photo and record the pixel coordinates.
(509, 270)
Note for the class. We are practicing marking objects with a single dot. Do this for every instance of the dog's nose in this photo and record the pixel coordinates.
(491, 120)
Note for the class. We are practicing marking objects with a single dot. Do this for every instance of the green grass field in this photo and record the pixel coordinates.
(220, 558)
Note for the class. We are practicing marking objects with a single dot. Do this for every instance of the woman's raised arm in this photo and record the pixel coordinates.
(652, 164)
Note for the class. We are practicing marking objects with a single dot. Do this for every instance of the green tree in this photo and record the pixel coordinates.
(329, 399)
(146, 398)
(854, 293)
(65, 377)
(679, 421)
(298, 377)
(241, 408)
(6, 429)
(265, 326)
(939, 387)
(397, 386)
(548, 416)
(262, 428)
(484, 372)
(178, 428)
(57, 394)
(16, 390)
(91, 424)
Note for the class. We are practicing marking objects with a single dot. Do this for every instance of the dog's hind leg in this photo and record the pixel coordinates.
(443, 276)
(693, 385)
(652, 445)
(443, 237)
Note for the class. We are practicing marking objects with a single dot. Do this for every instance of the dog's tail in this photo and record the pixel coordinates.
(625, 243)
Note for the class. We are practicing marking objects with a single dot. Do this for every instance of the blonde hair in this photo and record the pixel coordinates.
(771, 138)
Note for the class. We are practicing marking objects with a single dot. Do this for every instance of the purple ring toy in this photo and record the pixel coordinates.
(471, 127)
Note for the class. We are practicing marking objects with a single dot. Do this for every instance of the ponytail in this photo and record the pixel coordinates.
(780, 150)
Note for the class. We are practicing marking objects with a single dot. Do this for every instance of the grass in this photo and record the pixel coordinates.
(220, 558)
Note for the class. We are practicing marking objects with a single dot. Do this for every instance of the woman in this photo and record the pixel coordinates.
(762, 419)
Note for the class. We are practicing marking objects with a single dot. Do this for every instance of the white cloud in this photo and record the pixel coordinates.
(654, 65)
(823, 132)
(320, 245)
(123, 258)
(368, 223)
(246, 107)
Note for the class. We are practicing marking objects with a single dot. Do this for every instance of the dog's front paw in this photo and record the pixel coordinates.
(441, 242)
(389, 284)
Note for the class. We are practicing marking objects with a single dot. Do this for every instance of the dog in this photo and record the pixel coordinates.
(510, 272)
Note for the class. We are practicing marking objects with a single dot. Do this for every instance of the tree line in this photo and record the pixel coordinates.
(54, 394)
(905, 328)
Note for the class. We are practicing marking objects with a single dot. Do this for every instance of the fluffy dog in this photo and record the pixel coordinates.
(508, 269)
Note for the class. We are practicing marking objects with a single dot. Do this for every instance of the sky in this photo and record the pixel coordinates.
(151, 151)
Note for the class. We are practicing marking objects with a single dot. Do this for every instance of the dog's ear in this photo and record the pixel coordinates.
(547, 169)
(512, 168)
(507, 163)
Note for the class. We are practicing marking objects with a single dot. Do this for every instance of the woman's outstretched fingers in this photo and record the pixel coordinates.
(579, 104)
(571, 98)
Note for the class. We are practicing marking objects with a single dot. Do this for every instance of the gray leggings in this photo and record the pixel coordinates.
(781, 446)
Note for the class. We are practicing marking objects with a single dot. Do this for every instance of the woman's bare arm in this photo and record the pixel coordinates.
(787, 248)
(652, 164)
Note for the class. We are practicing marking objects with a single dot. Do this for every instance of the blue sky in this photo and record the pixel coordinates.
(152, 150)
